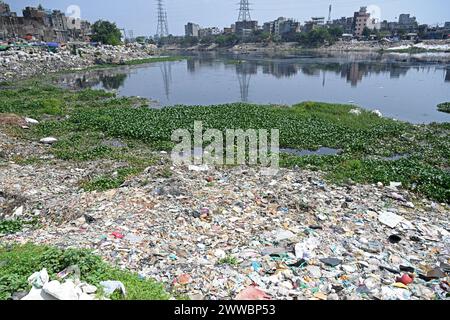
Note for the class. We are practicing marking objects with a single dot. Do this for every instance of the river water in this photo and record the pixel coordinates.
(400, 88)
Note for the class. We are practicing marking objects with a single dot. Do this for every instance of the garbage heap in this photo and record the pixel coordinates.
(233, 233)
(25, 61)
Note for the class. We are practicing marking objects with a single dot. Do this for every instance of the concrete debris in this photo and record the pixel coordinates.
(390, 219)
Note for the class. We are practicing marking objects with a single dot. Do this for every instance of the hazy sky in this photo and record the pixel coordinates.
(140, 15)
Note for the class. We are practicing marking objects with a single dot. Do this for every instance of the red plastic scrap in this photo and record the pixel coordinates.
(405, 279)
(117, 235)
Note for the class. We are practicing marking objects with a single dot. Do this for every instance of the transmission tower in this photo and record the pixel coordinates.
(163, 26)
(329, 13)
(244, 11)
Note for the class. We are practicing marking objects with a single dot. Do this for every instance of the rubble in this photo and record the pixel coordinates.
(24, 62)
(254, 236)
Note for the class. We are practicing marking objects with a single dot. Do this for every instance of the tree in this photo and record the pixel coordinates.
(227, 40)
(315, 38)
(335, 32)
(366, 32)
(140, 39)
(106, 32)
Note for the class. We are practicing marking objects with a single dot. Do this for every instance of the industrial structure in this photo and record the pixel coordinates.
(245, 25)
(162, 29)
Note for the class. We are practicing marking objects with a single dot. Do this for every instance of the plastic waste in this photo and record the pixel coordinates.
(405, 279)
(305, 249)
(109, 287)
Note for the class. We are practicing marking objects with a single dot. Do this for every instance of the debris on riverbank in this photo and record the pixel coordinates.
(24, 62)
(292, 235)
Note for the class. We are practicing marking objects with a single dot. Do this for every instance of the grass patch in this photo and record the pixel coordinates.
(104, 183)
(229, 260)
(16, 225)
(444, 107)
(131, 63)
(18, 262)
(153, 60)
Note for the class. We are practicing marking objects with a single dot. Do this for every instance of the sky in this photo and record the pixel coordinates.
(141, 15)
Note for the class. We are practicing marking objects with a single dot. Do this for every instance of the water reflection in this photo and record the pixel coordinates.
(393, 86)
(244, 72)
(166, 71)
(108, 79)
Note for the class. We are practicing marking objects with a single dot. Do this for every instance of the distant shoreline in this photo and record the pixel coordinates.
(422, 51)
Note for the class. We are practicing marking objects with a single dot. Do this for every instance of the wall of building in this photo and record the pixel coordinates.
(42, 25)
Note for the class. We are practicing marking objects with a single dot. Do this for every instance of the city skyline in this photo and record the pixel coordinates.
(142, 17)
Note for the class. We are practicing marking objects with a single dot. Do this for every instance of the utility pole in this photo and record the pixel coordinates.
(244, 11)
(163, 26)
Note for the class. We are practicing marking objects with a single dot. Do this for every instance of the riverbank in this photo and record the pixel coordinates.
(426, 51)
(107, 184)
(26, 62)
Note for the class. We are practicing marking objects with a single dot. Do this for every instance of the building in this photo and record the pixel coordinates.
(191, 30)
(5, 10)
(320, 21)
(228, 30)
(41, 24)
(407, 22)
(360, 21)
(346, 24)
(79, 29)
(314, 23)
(281, 26)
(447, 25)
(207, 32)
(245, 28)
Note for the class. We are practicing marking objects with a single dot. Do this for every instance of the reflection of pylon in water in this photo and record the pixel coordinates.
(244, 84)
(166, 70)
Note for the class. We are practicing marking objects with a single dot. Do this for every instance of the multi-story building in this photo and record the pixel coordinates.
(346, 24)
(268, 27)
(281, 26)
(79, 29)
(227, 30)
(191, 29)
(245, 28)
(314, 23)
(206, 32)
(5, 10)
(40, 24)
(405, 20)
(360, 21)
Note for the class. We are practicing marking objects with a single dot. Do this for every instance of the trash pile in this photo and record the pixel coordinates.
(22, 62)
(233, 233)
(71, 289)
